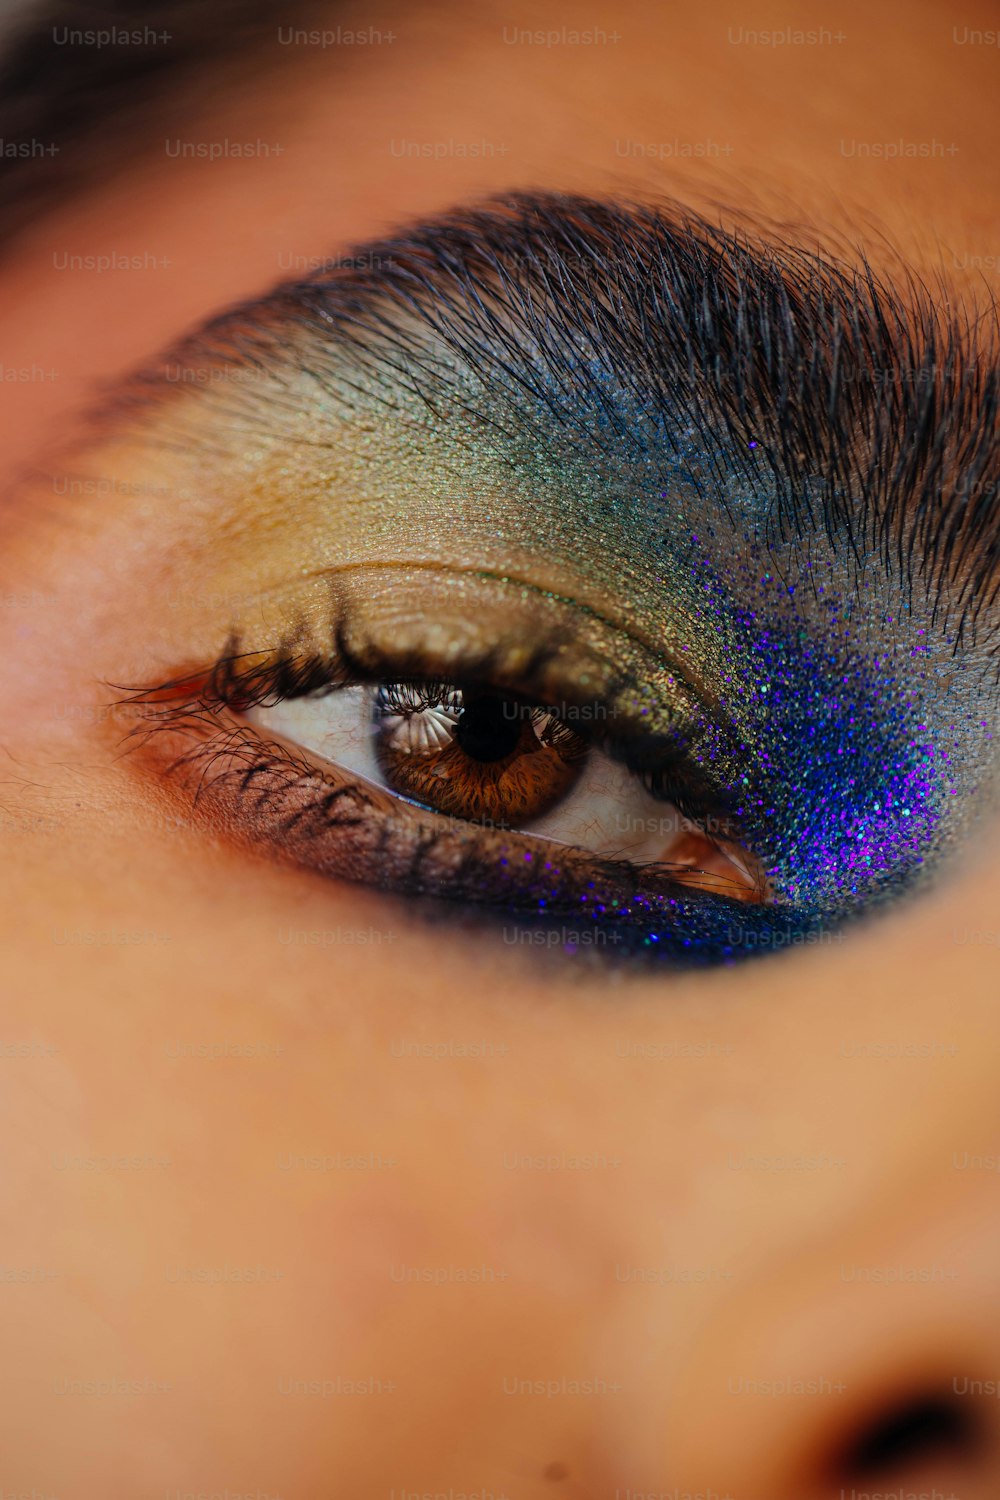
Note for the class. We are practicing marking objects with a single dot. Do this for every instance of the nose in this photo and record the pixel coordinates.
(865, 1366)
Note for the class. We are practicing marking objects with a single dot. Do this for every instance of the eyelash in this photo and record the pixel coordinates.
(320, 816)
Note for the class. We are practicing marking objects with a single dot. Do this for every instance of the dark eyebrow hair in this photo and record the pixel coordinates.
(837, 399)
(76, 105)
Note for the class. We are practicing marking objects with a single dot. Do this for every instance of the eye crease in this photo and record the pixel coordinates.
(712, 452)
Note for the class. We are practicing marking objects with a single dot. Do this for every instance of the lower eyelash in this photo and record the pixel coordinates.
(269, 795)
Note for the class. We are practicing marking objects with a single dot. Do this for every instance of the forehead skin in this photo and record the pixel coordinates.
(675, 101)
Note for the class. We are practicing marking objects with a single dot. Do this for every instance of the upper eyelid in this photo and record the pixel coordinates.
(235, 666)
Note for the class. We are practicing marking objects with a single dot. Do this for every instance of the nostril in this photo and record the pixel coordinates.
(917, 1431)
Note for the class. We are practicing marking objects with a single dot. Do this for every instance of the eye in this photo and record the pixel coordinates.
(555, 453)
(489, 758)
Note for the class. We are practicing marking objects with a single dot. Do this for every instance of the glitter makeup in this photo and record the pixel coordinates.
(698, 472)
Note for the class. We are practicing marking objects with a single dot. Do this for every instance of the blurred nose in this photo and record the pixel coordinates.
(865, 1366)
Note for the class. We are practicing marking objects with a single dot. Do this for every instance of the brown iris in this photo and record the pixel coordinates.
(473, 753)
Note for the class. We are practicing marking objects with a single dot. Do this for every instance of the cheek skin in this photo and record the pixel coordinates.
(255, 1151)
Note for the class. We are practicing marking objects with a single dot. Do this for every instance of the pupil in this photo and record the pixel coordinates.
(489, 728)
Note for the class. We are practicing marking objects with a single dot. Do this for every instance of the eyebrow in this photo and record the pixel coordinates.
(835, 398)
(86, 86)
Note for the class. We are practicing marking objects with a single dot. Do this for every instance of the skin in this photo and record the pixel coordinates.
(102, 1040)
